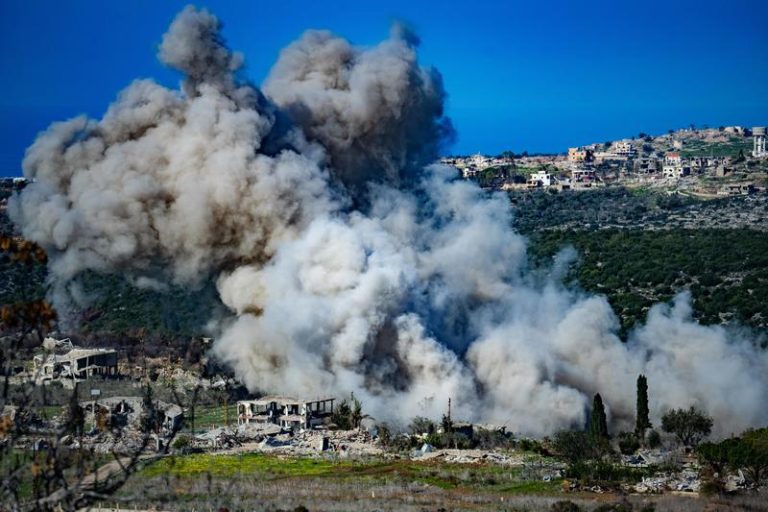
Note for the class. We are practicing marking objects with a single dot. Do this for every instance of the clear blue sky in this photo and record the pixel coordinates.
(536, 76)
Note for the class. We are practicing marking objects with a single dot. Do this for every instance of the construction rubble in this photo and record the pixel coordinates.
(686, 480)
(273, 439)
(426, 453)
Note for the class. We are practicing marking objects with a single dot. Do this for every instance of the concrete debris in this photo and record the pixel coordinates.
(63, 360)
(645, 458)
(218, 438)
(340, 443)
(127, 411)
(472, 457)
(686, 480)
(734, 482)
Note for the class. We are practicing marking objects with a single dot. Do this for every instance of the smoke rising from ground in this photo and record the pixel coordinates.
(348, 261)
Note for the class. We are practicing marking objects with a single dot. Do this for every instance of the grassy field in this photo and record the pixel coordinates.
(268, 482)
(209, 416)
(268, 467)
(718, 149)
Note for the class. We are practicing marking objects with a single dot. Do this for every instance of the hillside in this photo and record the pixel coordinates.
(636, 246)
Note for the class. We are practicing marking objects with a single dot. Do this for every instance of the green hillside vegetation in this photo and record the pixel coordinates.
(729, 148)
(725, 270)
(117, 307)
(541, 210)
(120, 307)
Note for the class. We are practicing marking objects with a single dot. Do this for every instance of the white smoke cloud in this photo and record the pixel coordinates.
(348, 263)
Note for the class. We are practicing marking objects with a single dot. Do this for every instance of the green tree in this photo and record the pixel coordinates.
(385, 435)
(421, 425)
(748, 453)
(689, 426)
(575, 447)
(717, 455)
(356, 415)
(642, 421)
(342, 416)
(447, 424)
(149, 418)
(598, 425)
(751, 455)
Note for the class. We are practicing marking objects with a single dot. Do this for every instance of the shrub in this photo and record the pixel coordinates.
(576, 446)
(385, 435)
(421, 425)
(181, 442)
(565, 506)
(401, 443)
(628, 443)
(624, 506)
(653, 439)
(490, 439)
(711, 488)
(531, 445)
(434, 439)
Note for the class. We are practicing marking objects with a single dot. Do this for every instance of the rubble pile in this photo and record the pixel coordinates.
(453, 456)
(108, 443)
(685, 480)
(345, 443)
(272, 439)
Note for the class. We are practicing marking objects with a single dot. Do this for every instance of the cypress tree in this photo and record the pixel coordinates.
(598, 426)
(642, 421)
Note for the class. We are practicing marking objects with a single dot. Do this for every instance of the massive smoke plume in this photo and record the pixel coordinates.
(348, 261)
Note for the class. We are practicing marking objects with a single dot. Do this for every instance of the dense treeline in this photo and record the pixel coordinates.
(726, 271)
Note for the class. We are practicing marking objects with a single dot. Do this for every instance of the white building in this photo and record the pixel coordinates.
(674, 166)
(541, 179)
(624, 148)
(758, 136)
(675, 172)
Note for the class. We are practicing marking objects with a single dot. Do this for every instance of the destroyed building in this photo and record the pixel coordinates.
(126, 411)
(64, 360)
(286, 412)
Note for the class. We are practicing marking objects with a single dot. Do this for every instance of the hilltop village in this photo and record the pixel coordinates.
(705, 163)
